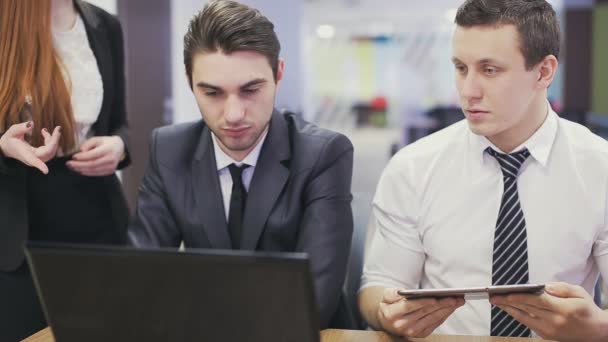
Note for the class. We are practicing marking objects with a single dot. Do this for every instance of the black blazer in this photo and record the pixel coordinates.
(298, 200)
(106, 40)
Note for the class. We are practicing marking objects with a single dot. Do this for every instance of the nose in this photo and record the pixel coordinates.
(470, 89)
(234, 110)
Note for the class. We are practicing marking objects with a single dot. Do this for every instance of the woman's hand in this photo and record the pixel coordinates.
(13, 145)
(98, 156)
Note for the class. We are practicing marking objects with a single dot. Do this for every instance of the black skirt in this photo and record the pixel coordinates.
(66, 207)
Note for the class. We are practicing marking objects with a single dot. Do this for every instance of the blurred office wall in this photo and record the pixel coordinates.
(600, 56)
(147, 35)
(358, 52)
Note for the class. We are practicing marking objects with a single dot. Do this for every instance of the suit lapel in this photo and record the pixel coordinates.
(268, 180)
(100, 46)
(208, 194)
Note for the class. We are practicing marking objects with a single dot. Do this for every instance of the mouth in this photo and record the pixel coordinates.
(235, 132)
(476, 113)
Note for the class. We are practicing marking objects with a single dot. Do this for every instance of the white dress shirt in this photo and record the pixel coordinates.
(437, 202)
(83, 77)
(223, 161)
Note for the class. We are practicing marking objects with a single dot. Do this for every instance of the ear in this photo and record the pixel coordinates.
(546, 71)
(280, 68)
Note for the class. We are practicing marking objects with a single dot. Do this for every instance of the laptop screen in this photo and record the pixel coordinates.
(125, 294)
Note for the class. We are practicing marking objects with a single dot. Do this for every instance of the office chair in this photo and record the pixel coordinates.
(361, 210)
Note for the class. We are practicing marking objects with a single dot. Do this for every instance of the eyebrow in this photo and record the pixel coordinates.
(246, 85)
(489, 61)
(479, 62)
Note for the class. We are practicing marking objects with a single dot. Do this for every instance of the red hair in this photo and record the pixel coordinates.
(29, 66)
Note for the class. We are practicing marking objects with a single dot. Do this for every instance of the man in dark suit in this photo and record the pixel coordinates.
(246, 176)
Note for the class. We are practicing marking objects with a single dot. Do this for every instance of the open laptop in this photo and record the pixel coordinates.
(125, 294)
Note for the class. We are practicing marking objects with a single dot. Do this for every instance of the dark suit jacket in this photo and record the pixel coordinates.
(105, 37)
(298, 200)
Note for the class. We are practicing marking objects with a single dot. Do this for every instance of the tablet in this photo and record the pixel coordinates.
(473, 292)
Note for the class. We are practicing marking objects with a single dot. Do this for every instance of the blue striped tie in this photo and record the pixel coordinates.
(510, 264)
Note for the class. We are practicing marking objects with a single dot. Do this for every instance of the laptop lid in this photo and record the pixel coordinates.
(126, 294)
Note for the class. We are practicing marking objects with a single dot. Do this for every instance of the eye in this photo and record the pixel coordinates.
(211, 93)
(250, 91)
(490, 71)
(461, 69)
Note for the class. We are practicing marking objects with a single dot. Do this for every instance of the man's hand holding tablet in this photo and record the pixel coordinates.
(417, 313)
(412, 318)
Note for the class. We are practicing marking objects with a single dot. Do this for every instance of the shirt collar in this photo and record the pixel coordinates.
(539, 144)
(223, 160)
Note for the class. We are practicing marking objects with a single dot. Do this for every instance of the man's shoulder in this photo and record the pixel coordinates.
(310, 138)
(176, 142)
(310, 131)
(582, 141)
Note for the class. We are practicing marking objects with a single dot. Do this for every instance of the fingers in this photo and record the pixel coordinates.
(395, 310)
(51, 144)
(56, 135)
(403, 316)
(391, 295)
(564, 290)
(19, 130)
(47, 136)
(427, 324)
(91, 143)
(95, 159)
(51, 139)
(432, 328)
(543, 300)
(90, 154)
(92, 149)
(407, 314)
(532, 311)
(14, 145)
(100, 167)
(442, 303)
(29, 158)
(97, 172)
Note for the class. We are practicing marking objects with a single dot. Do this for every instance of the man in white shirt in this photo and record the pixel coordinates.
(511, 195)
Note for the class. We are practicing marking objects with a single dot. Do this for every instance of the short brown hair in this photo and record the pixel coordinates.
(229, 26)
(535, 20)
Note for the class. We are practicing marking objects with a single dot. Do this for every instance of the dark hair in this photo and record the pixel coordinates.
(229, 26)
(535, 20)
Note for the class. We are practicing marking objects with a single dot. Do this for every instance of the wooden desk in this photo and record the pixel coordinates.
(43, 335)
(331, 335)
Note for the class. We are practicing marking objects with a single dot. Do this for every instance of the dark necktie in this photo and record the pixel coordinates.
(237, 205)
(510, 256)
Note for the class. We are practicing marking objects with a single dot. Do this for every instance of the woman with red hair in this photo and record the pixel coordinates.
(62, 137)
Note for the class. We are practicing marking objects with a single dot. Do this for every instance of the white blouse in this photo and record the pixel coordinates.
(84, 81)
